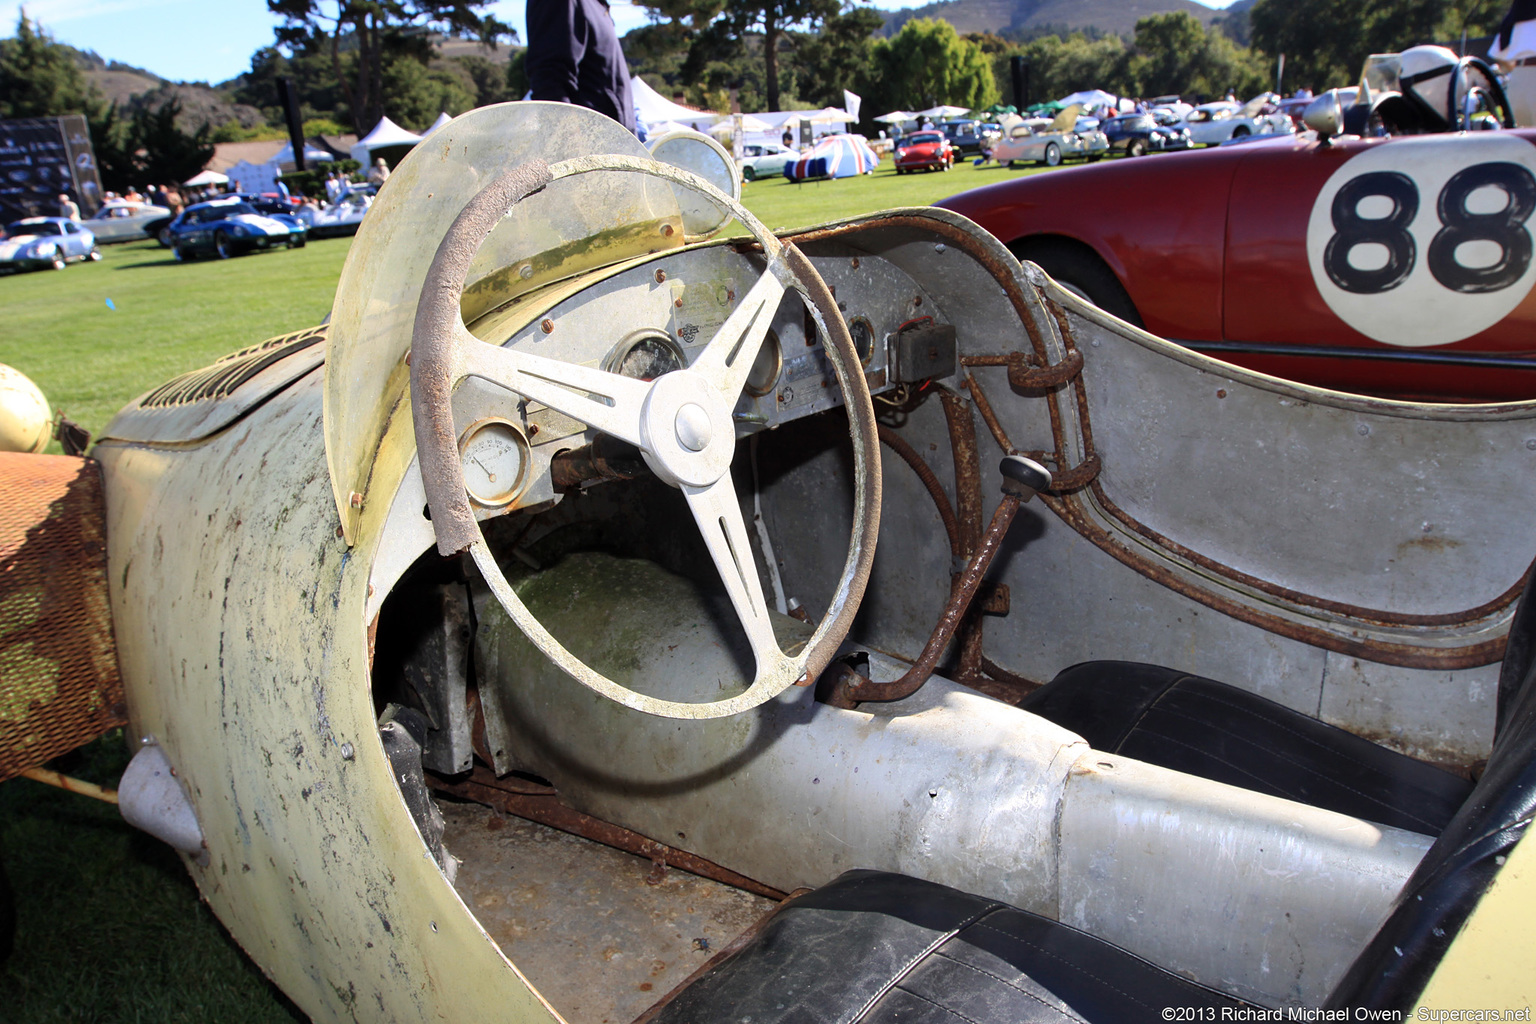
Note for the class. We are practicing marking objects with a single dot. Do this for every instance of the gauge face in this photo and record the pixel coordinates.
(863, 334)
(766, 367)
(495, 456)
(645, 355)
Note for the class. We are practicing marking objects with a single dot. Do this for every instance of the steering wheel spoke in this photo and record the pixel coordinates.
(602, 400)
(718, 516)
(727, 359)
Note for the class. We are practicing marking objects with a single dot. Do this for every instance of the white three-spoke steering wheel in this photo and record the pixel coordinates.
(682, 422)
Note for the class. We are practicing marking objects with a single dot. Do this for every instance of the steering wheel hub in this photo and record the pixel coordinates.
(693, 429)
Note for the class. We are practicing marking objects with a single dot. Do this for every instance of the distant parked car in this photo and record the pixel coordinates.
(765, 160)
(343, 216)
(44, 243)
(120, 220)
(1051, 143)
(927, 150)
(1140, 134)
(231, 227)
(969, 136)
(1211, 124)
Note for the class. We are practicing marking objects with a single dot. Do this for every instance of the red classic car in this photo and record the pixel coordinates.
(926, 150)
(1398, 266)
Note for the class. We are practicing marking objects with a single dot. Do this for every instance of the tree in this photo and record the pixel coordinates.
(1174, 53)
(1325, 42)
(378, 30)
(840, 56)
(161, 151)
(40, 78)
(927, 63)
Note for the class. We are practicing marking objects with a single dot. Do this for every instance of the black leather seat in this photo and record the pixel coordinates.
(878, 948)
(1207, 728)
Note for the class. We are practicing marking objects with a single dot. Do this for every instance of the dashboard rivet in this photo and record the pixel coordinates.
(661, 275)
(525, 271)
(547, 326)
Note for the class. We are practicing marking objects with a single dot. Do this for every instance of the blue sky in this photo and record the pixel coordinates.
(199, 41)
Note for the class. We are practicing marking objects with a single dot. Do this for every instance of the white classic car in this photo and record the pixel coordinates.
(44, 243)
(765, 160)
(341, 217)
(121, 220)
(1051, 144)
(1211, 124)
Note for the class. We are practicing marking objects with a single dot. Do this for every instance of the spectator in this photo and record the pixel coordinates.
(67, 207)
(378, 174)
(333, 186)
(574, 57)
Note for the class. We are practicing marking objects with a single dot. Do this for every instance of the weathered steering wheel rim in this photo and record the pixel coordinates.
(440, 359)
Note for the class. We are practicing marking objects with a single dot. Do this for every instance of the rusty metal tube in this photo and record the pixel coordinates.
(850, 689)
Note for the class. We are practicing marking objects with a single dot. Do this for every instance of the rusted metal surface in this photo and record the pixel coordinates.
(898, 444)
(483, 787)
(1026, 375)
(606, 458)
(59, 681)
(736, 946)
(967, 459)
(851, 689)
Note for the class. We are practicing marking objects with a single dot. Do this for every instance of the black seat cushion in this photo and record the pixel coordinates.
(1216, 731)
(877, 948)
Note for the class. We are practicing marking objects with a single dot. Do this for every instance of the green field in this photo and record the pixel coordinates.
(165, 318)
(110, 926)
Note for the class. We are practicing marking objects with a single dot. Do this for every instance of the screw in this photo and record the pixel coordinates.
(855, 263)
(661, 276)
(547, 326)
(1221, 392)
(525, 271)
(355, 500)
(939, 248)
(917, 300)
(666, 229)
(1362, 430)
(347, 753)
(1530, 444)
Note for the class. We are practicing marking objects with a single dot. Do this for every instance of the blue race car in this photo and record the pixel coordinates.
(231, 226)
(38, 243)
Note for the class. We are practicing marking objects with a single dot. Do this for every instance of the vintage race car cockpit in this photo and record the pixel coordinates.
(721, 549)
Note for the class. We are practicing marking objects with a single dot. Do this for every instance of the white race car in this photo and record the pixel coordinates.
(1050, 145)
(120, 220)
(341, 217)
(1211, 124)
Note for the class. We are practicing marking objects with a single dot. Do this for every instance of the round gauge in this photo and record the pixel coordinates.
(495, 457)
(863, 334)
(766, 367)
(645, 355)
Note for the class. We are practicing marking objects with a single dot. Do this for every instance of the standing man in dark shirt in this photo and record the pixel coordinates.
(574, 57)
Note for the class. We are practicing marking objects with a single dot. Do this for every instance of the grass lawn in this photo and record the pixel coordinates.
(110, 926)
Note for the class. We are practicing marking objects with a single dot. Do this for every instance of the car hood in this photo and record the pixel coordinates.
(9, 247)
(261, 222)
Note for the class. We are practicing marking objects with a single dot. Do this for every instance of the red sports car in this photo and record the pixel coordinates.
(1398, 266)
(924, 151)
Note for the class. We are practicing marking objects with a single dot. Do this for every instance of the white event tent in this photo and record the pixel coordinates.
(442, 119)
(312, 154)
(654, 107)
(384, 135)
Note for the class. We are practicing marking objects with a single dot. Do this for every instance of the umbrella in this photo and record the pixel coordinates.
(826, 115)
(1089, 98)
(721, 129)
(896, 117)
(835, 156)
(206, 178)
(943, 110)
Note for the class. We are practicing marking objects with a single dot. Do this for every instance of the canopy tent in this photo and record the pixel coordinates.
(835, 156)
(442, 119)
(999, 109)
(313, 154)
(897, 117)
(722, 128)
(652, 106)
(826, 115)
(943, 110)
(665, 128)
(1049, 107)
(206, 178)
(1090, 98)
(385, 135)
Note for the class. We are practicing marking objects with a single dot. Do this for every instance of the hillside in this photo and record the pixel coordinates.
(1116, 16)
(130, 88)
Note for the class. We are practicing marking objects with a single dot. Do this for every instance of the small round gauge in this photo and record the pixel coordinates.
(495, 457)
(863, 334)
(766, 367)
(645, 355)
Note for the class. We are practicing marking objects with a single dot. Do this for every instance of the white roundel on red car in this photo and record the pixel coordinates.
(1425, 241)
